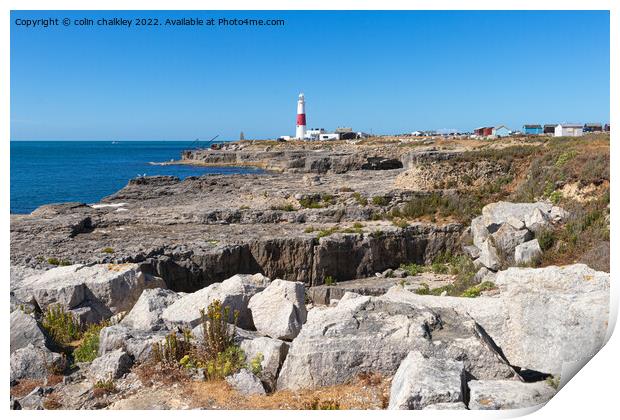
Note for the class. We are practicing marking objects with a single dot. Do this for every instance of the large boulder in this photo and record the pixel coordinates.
(137, 343)
(528, 252)
(541, 318)
(108, 288)
(519, 216)
(34, 362)
(146, 313)
(270, 351)
(246, 383)
(555, 315)
(234, 293)
(421, 381)
(489, 257)
(507, 238)
(110, 366)
(25, 330)
(502, 395)
(368, 334)
(279, 311)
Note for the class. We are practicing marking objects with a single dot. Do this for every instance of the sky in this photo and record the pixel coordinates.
(378, 72)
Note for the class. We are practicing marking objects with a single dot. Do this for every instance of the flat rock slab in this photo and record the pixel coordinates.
(110, 288)
(421, 381)
(234, 293)
(502, 395)
(375, 286)
(368, 334)
(555, 315)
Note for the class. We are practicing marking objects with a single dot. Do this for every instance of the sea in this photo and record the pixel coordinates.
(45, 172)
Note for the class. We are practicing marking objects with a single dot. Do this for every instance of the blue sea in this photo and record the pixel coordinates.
(44, 172)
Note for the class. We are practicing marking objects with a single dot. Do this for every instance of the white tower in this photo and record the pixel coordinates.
(300, 129)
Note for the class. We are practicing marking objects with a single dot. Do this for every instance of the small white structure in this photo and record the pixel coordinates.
(330, 136)
(568, 130)
(314, 133)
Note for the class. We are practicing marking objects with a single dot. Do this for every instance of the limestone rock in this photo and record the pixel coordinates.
(507, 238)
(536, 220)
(279, 311)
(246, 383)
(528, 252)
(110, 366)
(421, 381)
(501, 395)
(563, 310)
(272, 352)
(446, 406)
(137, 343)
(234, 293)
(367, 334)
(488, 256)
(32, 362)
(25, 330)
(110, 288)
(146, 313)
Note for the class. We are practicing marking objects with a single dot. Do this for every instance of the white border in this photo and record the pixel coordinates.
(592, 394)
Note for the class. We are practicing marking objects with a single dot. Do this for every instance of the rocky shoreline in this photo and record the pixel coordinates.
(320, 260)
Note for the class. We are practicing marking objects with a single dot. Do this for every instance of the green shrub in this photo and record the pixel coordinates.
(329, 281)
(379, 200)
(326, 232)
(475, 291)
(107, 250)
(309, 229)
(412, 269)
(546, 239)
(225, 363)
(401, 223)
(62, 326)
(105, 385)
(53, 261)
(318, 404)
(256, 364)
(284, 207)
(173, 349)
(88, 350)
(360, 199)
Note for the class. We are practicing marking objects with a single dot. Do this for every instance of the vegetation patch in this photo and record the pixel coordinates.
(61, 325)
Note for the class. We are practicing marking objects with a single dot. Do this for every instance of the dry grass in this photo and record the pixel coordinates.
(52, 402)
(368, 392)
(25, 387)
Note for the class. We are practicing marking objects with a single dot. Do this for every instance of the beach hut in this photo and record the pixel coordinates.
(532, 129)
(501, 131)
(568, 130)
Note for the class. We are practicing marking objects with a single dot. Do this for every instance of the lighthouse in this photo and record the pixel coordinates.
(300, 129)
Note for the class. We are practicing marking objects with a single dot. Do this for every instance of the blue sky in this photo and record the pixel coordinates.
(385, 72)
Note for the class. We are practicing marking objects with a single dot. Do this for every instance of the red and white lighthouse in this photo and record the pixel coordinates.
(300, 130)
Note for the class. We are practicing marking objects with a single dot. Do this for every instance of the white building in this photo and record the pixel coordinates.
(314, 133)
(330, 136)
(568, 130)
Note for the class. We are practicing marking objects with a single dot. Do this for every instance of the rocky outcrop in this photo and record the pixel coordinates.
(279, 311)
(563, 310)
(234, 293)
(505, 227)
(502, 395)
(110, 366)
(269, 351)
(98, 291)
(420, 382)
(367, 334)
(146, 313)
(25, 330)
(246, 383)
(32, 362)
